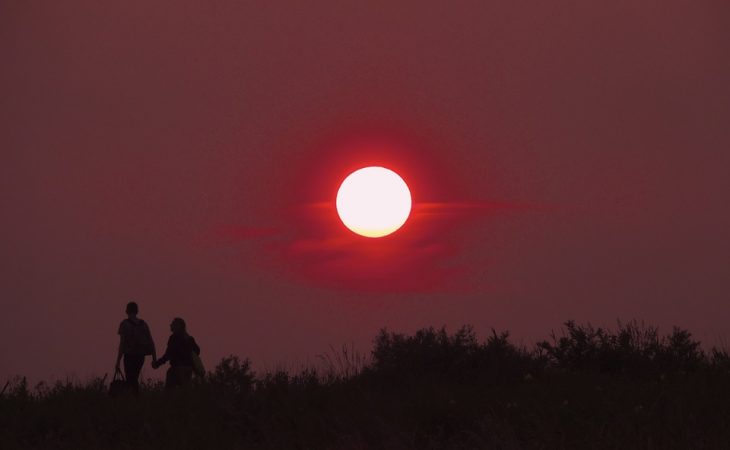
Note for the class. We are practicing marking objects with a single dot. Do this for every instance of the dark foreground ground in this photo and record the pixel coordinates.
(587, 389)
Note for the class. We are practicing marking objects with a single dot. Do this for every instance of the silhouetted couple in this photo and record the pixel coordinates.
(135, 343)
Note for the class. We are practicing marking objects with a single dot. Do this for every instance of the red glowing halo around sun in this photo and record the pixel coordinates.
(373, 202)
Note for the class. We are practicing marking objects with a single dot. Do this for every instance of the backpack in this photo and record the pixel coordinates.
(198, 368)
(137, 339)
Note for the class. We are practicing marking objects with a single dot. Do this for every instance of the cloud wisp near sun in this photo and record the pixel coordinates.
(422, 256)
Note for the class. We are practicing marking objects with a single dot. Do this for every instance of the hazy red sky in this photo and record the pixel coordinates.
(568, 160)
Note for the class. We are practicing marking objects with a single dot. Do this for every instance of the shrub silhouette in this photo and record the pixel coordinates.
(232, 375)
(632, 348)
(679, 351)
(436, 354)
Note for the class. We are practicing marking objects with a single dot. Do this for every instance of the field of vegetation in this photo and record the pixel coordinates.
(584, 388)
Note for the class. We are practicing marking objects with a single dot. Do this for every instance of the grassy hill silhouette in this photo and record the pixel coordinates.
(584, 388)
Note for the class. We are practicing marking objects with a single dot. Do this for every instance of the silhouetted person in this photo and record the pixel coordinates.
(135, 342)
(180, 348)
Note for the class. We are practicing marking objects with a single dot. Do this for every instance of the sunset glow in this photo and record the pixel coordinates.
(373, 202)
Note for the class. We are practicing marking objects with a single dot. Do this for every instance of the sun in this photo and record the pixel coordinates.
(373, 202)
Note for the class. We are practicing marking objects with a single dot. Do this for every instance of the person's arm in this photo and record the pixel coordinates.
(119, 355)
(166, 356)
(154, 350)
(119, 349)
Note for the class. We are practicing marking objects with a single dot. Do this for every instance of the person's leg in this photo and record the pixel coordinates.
(186, 375)
(132, 367)
(171, 378)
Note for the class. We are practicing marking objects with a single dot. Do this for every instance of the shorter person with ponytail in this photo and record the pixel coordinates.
(180, 348)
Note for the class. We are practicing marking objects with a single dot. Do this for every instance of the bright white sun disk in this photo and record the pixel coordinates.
(373, 202)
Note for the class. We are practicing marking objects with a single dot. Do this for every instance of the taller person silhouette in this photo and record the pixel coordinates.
(135, 342)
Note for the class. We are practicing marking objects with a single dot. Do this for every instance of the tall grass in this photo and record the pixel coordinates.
(582, 388)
